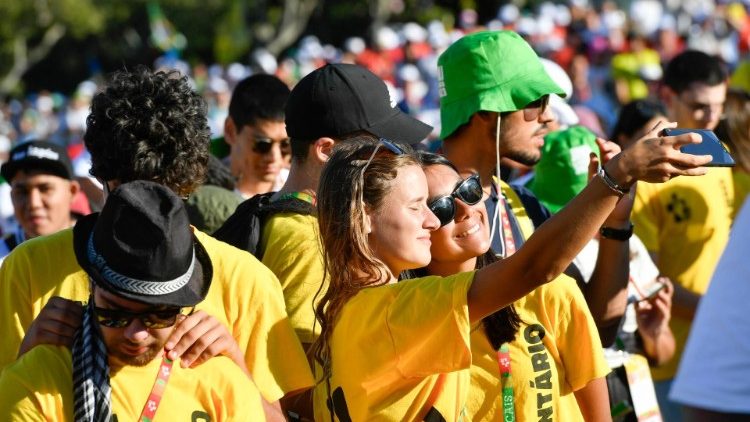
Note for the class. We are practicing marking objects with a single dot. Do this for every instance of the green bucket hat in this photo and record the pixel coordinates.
(489, 71)
(563, 170)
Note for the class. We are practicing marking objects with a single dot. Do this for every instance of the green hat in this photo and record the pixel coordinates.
(490, 71)
(563, 170)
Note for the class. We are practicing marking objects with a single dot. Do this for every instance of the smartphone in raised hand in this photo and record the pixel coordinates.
(711, 145)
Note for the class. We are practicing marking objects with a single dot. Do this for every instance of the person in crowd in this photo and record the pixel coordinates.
(736, 135)
(375, 223)
(42, 191)
(494, 106)
(566, 330)
(151, 126)
(147, 270)
(635, 119)
(561, 173)
(255, 132)
(685, 223)
(712, 380)
(215, 200)
(330, 105)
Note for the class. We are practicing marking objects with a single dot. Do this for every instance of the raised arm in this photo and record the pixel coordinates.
(554, 245)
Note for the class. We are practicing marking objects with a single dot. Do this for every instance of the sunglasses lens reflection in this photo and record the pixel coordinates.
(444, 209)
(470, 191)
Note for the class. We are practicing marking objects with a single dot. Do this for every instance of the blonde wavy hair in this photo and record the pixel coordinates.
(344, 195)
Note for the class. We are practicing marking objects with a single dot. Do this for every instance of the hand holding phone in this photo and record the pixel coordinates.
(710, 145)
(645, 292)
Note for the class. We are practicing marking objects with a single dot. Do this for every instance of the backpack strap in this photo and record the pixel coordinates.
(243, 229)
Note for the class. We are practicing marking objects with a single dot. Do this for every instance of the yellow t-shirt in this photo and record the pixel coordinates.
(686, 221)
(291, 249)
(556, 352)
(39, 387)
(244, 295)
(400, 350)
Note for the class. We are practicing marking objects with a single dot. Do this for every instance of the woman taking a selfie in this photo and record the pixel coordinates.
(545, 347)
(393, 350)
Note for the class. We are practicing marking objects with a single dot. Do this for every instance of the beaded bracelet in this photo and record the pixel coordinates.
(611, 184)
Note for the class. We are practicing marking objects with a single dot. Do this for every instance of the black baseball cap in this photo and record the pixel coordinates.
(339, 99)
(38, 155)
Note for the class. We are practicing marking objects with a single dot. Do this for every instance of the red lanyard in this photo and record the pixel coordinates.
(149, 409)
(508, 242)
(503, 360)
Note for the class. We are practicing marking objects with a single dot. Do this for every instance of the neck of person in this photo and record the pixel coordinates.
(303, 177)
(445, 269)
(248, 187)
(463, 152)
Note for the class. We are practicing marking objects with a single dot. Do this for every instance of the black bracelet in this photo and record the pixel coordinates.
(617, 234)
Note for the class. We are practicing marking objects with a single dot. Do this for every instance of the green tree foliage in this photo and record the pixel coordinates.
(30, 29)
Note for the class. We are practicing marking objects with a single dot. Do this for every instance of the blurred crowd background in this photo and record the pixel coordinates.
(613, 51)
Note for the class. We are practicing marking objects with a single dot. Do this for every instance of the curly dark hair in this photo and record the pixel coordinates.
(149, 126)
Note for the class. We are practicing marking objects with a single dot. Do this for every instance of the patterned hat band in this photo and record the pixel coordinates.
(132, 285)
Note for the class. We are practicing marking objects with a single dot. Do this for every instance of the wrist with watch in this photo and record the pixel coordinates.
(617, 234)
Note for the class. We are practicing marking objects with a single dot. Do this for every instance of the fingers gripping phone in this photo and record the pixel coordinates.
(647, 292)
(709, 146)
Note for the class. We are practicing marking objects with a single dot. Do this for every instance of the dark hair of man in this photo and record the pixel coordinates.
(634, 115)
(502, 326)
(300, 147)
(693, 66)
(258, 97)
(149, 126)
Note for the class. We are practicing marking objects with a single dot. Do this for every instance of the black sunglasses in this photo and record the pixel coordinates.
(263, 145)
(152, 319)
(469, 191)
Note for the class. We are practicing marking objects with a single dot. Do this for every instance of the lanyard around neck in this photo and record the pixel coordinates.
(160, 384)
(302, 196)
(508, 405)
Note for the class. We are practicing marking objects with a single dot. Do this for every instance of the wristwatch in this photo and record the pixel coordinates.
(617, 234)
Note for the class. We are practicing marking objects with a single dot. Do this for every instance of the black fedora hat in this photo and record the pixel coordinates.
(141, 247)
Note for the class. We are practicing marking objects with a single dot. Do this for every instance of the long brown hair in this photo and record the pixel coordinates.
(737, 110)
(344, 194)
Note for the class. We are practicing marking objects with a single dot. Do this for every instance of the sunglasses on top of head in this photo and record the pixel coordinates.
(116, 318)
(469, 191)
(263, 145)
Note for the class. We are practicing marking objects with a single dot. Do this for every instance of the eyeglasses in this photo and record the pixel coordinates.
(534, 109)
(263, 145)
(469, 191)
(112, 318)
